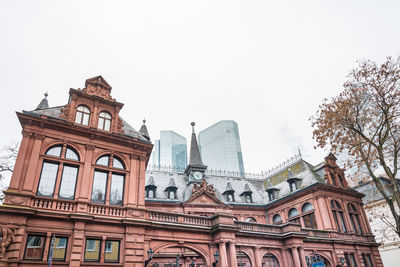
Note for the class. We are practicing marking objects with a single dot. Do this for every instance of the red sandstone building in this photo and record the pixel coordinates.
(81, 194)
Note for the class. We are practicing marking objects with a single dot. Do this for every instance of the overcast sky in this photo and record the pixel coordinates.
(265, 64)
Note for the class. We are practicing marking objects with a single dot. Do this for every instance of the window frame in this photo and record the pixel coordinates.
(83, 113)
(119, 250)
(338, 214)
(310, 215)
(104, 119)
(43, 246)
(354, 219)
(55, 246)
(94, 249)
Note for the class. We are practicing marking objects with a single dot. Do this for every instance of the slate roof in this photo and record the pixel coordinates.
(302, 170)
(55, 112)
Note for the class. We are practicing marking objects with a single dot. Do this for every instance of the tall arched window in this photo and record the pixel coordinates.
(338, 216)
(104, 121)
(277, 219)
(354, 218)
(269, 260)
(59, 171)
(82, 115)
(294, 215)
(108, 181)
(309, 216)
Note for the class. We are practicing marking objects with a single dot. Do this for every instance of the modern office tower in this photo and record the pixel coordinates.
(220, 146)
(170, 150)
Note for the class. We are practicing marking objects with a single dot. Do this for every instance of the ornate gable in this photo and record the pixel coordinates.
(99, 87)
(204, 194)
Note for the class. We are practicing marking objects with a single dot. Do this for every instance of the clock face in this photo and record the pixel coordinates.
(197, 175)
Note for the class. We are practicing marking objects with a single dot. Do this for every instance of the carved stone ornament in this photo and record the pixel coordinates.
(7, 237)
(120, 125)
(203, 187)
(90, 147)
(16, 200)
(65, 112)
(99, 87)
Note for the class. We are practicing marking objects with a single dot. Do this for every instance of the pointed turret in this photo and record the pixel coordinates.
(143, 131)
(44, 104)
(195, 158)
(195, 162)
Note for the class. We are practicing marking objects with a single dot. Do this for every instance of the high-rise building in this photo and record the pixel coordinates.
(170, 150)
(220, 146)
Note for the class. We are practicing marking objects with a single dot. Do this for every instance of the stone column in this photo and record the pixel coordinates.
(257, 257)
(19, 163)
(223, 262)
(284, 260)
(302, 257)
(295, 255)
(232, 254)
(326, 222)
(84, 179)
(33, 164)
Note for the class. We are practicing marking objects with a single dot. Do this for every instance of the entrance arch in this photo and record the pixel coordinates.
(327, 262)
(269, 260)
(165, 255)
(243, 260)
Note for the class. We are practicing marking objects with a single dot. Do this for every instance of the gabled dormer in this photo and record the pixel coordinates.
(293, 181)
(334, 175)
(93, 107)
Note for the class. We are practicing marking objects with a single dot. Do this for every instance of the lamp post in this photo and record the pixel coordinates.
(150, 254)
(216, 256)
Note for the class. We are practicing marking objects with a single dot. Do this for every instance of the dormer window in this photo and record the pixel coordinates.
(82, 115)
(272, 193)
(151, 188)
(230, 197)
(229, 193)
(247, 194)
(171, 189)
(248, 198)
(104, 121)
(293, 186)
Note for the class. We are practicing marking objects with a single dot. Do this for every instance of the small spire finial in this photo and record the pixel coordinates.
(144, 121)
(46, 95)
(193, 124)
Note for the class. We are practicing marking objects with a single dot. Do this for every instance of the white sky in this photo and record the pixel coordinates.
(265, 64)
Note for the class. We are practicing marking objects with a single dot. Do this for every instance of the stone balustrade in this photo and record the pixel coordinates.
(53, 204)
(336, 235)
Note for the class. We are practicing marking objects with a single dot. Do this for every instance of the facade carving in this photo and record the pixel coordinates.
(84, 187)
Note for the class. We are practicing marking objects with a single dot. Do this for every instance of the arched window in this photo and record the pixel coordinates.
(309, 216)
(104, 171)
(354, 218)
(104, 121)
(251, 219)
(62, 171)
(242, 259)
(269, 260)
(117, 163)
(294, 215)
(338, 216)
(82, 115)
(151, 191)
(277, 219)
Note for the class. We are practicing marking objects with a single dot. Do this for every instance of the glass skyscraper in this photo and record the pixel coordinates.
(170, 150)
(220, 147)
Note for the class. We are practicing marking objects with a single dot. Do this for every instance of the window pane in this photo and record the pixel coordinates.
(100, 125)
(343, 225)
(307, 207)
(99, 187)
(34, 247)
(92, 250)
(68, 182)
(118, 164)
(293, 212)
(54, 151)
(353, 260)
(71, 154)
(358, 224)
(59, 248)
(111, 251)
(107, 124)
(85, 120)
(117, 189)
(103, 161)
(78, 117)
(47, 179)
(277, 219)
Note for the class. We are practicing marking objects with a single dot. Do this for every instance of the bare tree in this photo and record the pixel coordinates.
(363, 121)
(8, 155)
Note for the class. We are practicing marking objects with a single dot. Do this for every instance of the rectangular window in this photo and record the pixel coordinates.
(111, 251)
(48, 179)
(99, 187)
(59, 248)
(117, 189)
(350, 259)
(34, 247)
(367, 260)
(68, 182)
(353, 260)
(92, 250)
(310, 221)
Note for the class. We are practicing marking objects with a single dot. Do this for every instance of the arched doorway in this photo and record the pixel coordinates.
(325, 260)
(269, 260)
(168, 257)
(242, 259)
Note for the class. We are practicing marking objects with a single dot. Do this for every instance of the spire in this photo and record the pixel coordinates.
(143, 130)
(44, 104)
(195, 158)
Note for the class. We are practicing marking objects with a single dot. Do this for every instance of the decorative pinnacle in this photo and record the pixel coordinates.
(144, 121)
(193, 124)
(46, 95)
